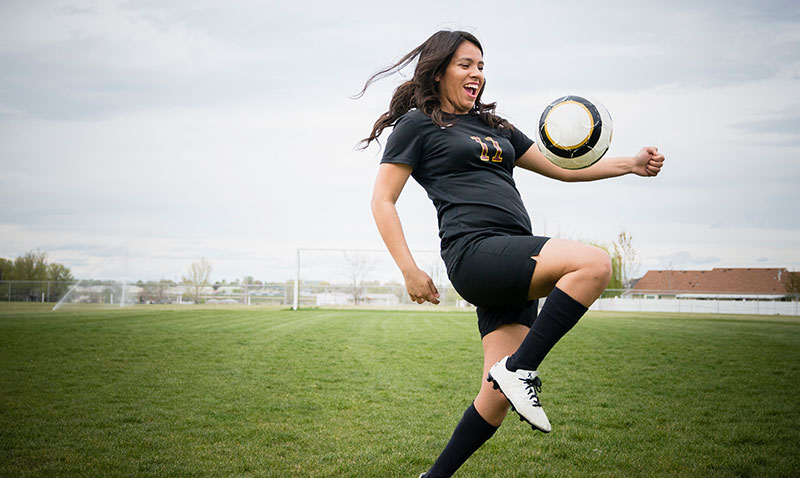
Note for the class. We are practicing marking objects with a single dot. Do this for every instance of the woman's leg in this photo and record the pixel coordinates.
(572, 275)
(486, 413)
(503, 341)
(579, 270)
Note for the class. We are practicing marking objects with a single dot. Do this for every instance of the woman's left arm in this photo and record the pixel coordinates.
(647, 162)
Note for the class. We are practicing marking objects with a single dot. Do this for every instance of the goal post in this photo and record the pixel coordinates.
(296, 295)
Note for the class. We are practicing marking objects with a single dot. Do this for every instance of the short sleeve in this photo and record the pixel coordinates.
(404, 145)
(520, 142)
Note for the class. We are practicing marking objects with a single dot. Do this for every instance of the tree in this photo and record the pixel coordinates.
(6, 272)
(59, 272)
(624, 253)
(359, 267)
(793, 283)
(6, 269)
(33, 272)
(31, 267)
(155, 293)
(61, 276)
(198, 276)
(435, 269)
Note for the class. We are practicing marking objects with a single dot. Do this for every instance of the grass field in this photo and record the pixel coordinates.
(265, 392)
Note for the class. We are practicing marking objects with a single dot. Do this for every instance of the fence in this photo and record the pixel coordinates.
(699, 306)
(121, 293)
(33, 291)
(311, 294)
(369, 295)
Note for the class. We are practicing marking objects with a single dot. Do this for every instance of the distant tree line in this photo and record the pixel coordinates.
(33, 271)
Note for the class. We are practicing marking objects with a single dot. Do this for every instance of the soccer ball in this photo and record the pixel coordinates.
(574, 133)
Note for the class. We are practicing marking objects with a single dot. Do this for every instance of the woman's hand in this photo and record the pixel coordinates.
(388, 185)
(648, 161)
(420, 287)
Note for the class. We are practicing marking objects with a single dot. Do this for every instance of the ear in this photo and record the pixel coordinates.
(437, 78)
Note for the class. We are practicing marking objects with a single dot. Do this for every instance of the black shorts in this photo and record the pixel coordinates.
(494, 274)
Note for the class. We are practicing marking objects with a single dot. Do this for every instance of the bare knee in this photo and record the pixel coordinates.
(601, 267)
(581, 270)
(593, 264)
(590, 278)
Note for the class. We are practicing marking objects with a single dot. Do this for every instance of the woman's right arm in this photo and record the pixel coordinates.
(388, 185)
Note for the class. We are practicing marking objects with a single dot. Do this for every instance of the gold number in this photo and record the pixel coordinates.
(484, 148)
(498, 155)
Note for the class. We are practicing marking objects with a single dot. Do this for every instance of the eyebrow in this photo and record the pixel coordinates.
(466, 58)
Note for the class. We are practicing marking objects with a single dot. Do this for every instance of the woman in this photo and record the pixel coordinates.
(463, 155)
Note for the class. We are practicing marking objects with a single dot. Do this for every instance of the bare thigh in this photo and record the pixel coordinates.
(579, 269)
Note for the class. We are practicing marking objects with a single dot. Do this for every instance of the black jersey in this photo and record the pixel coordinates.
(466, 169)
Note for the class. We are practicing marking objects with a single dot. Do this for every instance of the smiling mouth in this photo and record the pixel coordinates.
(472, 90)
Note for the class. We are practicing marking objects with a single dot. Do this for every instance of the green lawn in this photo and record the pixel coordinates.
(151, 391)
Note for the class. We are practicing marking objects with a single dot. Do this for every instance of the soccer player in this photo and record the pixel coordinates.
(463, 155)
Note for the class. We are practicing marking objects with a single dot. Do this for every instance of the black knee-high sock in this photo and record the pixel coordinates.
(559, 314)
(470, 433)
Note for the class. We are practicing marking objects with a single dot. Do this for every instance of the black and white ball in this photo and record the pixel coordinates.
(573, 132)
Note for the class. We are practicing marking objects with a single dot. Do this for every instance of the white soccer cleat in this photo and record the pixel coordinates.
(521, 389)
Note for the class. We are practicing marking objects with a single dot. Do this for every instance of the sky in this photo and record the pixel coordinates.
(137, 137)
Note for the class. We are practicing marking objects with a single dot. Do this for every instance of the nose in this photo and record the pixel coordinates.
(475, 72)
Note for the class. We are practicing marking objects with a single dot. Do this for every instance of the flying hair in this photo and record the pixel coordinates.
(422, 91)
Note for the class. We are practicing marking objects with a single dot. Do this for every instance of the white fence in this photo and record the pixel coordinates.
(315, 294)
(123, 293)
(698, 306)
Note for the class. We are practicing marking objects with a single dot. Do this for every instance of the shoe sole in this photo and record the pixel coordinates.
(496, 386)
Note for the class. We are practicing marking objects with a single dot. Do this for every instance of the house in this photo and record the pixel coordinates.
(718, 283)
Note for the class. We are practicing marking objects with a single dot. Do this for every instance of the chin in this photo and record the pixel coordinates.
(467, 108)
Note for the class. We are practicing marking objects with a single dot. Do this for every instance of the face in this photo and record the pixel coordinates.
(462, 79)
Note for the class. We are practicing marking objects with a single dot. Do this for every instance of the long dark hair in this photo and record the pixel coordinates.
(422, 91)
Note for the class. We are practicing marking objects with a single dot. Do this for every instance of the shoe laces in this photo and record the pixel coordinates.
(533, 385)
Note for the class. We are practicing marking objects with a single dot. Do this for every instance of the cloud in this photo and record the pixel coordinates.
(782, 128)
(219, 130)
(682, 259)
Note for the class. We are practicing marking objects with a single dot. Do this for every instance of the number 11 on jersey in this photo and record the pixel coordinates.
(498, 155)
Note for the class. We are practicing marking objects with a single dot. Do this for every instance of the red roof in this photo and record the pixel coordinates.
(723, 280)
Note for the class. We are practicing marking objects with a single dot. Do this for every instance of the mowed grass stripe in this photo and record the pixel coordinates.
(267, 392)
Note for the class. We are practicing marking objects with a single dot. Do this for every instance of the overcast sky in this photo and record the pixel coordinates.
(138, 136)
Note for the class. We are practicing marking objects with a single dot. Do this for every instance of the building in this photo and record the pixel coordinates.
(347, 298)
(718, 283)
